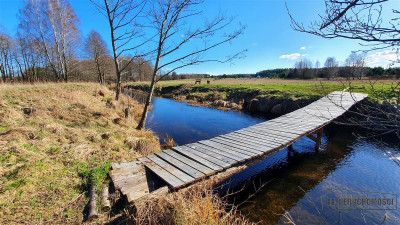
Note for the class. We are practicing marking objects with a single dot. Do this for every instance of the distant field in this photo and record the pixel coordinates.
(295, 89)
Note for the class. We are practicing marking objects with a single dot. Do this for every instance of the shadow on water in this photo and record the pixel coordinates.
(295, 181)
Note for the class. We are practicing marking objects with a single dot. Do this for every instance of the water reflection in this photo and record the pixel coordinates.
(296, 180)
(188, 124)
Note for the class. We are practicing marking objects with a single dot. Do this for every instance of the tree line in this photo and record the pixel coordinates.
(354, 67)
(47, 48)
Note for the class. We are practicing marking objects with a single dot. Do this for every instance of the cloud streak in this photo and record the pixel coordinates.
(303, 48)
(292, 56)
(382, 58)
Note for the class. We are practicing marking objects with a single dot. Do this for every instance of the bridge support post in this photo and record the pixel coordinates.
(317, 139)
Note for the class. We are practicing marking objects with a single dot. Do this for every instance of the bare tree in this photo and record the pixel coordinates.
(52, 24)
(175, 39)
(303, 69)
(96, 51)
(65, 34)
(356, 64)
(5, 56)
(331, 67)
(359, 20)
(122, 16)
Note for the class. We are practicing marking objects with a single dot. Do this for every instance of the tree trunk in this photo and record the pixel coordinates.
(153, 83)
(147, 104)
(118, 72)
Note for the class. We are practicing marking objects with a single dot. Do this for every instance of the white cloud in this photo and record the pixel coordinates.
(292, 56)
(382, 58)
(254, 44)
(303, 48)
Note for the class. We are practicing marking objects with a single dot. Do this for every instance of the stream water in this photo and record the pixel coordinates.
(349, 181)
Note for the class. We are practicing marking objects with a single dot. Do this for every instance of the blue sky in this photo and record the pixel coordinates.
(270, 40)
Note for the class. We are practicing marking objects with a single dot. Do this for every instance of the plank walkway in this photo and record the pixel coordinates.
(184, 165)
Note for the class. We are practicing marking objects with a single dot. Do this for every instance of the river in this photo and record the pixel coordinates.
(309, 186)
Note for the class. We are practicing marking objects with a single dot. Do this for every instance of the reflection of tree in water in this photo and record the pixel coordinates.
(300, 168)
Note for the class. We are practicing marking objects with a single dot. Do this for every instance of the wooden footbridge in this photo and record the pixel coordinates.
(228, 154)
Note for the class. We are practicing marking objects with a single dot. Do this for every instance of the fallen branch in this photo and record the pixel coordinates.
(93, 203)
(104, 199)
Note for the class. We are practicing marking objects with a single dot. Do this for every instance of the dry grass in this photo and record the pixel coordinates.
(55, 137)
(169, 142)
(196, 205)
(47, 151)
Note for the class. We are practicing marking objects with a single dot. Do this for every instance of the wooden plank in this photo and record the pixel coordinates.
(242, 148)
(236, 145)
(262, 136)
(138, 190)
(270, 130)
(299, 120)
(167, 166)
(212, 159)
(222, 155)
(261, 141)
(256, 143)
(295, 121)
(248, 151)
(239, 155)
(200, 167)
(275, 128)
(237, 141)
(298, 123)
(298, 128)
(170, 179)
(264, 139)
(220, 147)
(132, 183)
(124, 164)
(180, 165)
(278, 129)
(240, 142)
(252, 132)
(198, 159)
(126, 180)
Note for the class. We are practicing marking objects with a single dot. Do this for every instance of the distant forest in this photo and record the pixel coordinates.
(48, 47)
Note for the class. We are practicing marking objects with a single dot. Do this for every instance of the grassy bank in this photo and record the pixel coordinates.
(274, 96)
(57, 138)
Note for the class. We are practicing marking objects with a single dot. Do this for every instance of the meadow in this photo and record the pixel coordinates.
(378, 90)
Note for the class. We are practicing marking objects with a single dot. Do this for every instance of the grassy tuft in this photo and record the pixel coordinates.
(196, 205)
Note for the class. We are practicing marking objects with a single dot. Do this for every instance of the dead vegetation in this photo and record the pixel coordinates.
(195, 205)
(51, 137)
(56, 140)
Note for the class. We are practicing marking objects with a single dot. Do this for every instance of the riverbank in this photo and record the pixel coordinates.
(263, 96)
(58, 139)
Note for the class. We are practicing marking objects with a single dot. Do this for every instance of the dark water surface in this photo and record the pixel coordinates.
(301, 181)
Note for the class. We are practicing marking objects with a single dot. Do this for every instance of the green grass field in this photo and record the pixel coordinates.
(293, 89)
